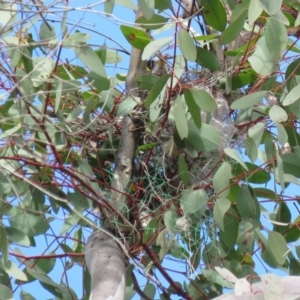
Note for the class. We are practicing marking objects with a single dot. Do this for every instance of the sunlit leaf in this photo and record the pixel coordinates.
(261, 60)
(278, 114)
(254, 11)
(271, 7)
(221, 207)
(147, 7)
(248, 100)
(234, 154)
(186, 45)
(221, 180)
(276, 38)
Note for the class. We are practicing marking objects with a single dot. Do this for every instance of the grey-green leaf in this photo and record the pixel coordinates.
(221, 207)
(248, 100)
(204, 100)
(207, 138)
(221, 180)
(292, 96)
(261, 60)
(180, 118)
(234, 154)
(276, 38)
(186, 45)
(278, 114)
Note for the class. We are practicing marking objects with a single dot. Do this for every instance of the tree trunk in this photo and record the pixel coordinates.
(104, 257)
(105, 262)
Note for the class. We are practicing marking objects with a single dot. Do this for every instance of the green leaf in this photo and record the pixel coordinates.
(30, 224)
(150, 230)
(163, 4)
(278, 246)
(221, 207)
(292, 96)
(278, 114)
(156, 21)
(156, 89)
(207, 138)
(180, 118)
(279, 173)
(271, 7)
(126, 106)
(261, 60)
(154, 46)
(266, 252)
(251, 149)
(193, 107)
(150, 290)
(242, 79)
(214, 14)
(73, 115)
(109, 6)
(204, 100)
(234, 29)
(247, 204)
(5, 292)
(136, 37)
(292, 73)
(256, 132)
(186, 45)
(170, 220)
(183, 170)
(111, 57)
(42, 69)
(282, 134)
(265, 193)
(8, 14)
(147, 8)
(58, 96)
(234, 154)
(291, 164)
(45, 34)
(254, 11)
(3, 245)
(145, 147)
(207, 59)
(17, 236)
(221, 180)
(193, 201)
(231, 225)
(283, 215)
(255, 174)
(248, 100)
(276, 38)
(127, 3)
(88, 56)
(11, 269)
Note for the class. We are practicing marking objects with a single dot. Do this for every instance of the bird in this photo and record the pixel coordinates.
(158, 66)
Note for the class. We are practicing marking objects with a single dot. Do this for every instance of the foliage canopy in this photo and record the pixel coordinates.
(216, 149)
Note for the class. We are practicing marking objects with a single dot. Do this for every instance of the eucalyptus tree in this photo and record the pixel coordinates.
(172, 179)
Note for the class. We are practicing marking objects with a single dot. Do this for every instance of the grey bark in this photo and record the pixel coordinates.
(104, 258)
(105, 263)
